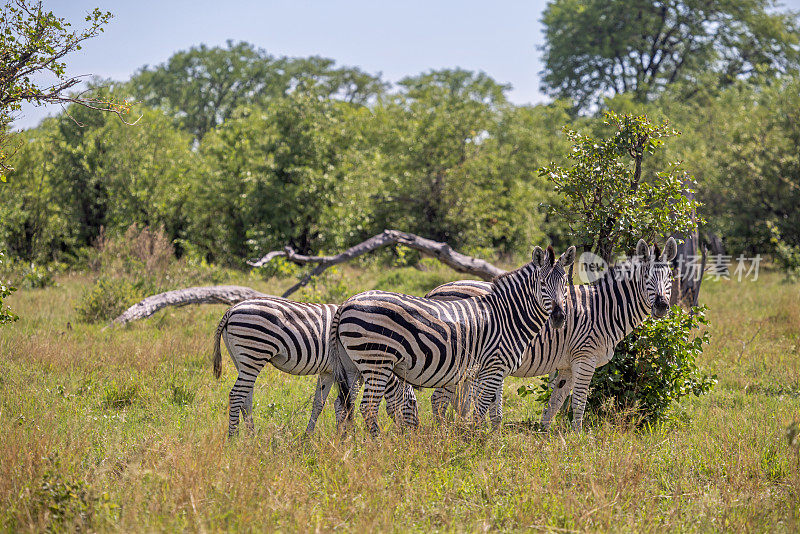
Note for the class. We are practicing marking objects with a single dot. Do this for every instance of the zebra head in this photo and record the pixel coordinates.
(554, 285)
(657, 274)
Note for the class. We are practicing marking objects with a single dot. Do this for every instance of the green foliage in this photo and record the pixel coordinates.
(68, 501)
(107, 298)
(654, 369)
(328, 287)
(37, 276)
(596, 48)
(202, 87)
(34, 42)
(6, 315)
(607, 201)
(278, 267)
(787, 256)
(181, 394)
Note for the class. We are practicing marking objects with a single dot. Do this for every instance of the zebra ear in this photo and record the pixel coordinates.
(567, 258)
(670, 250)
(642, 250)
(537, 258)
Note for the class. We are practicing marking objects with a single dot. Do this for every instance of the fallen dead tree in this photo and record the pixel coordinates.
(183, 297)
(441, 251)
(233, 294)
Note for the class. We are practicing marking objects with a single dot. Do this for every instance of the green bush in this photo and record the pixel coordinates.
(328, 287)
(786, 255)
(6, 315)
(106, 299)
(37, 277)
(654, 367)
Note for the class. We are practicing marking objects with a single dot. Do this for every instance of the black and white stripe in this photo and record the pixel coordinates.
(598, 316)
(433, 343)
(293, 337)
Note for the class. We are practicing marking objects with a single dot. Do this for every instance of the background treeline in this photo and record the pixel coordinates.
(238, 152)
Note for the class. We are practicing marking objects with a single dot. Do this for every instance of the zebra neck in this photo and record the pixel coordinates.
(625, 300)
(517, 321)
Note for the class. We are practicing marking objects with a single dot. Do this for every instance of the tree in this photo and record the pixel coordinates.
(201, 87)
(271, 176)
(597, 48)
(609, 202)
(440, 158)
(32, 42)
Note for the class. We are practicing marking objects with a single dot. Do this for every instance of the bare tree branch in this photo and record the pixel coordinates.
(441, 251)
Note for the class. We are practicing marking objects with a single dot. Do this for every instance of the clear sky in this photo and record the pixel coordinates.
(500, 37)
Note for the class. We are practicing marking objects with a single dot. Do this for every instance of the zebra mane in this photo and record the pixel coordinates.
(506, 274)
(611, 274)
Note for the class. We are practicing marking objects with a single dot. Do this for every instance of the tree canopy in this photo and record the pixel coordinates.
(600, 48)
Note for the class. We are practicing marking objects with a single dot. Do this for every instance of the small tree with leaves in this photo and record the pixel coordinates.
(34, 41)
(609, 202)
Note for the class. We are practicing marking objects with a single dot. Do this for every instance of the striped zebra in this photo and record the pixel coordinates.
(599, 315)
(293, 337)
(431, 343)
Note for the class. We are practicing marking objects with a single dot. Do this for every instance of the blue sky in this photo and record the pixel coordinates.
(398, 39)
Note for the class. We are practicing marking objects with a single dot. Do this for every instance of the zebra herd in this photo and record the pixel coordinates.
(462, 339)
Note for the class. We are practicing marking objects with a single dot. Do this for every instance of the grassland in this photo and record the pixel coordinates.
(126, 430)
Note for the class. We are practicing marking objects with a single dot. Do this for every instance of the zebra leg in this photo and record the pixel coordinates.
(440, 398)
(375, 381)
(343, 419)
(324, 384)
(247, 412)
(489, 386)
(561, 388)
(463, 399)
(240, 401)
(582, 371)
(496, 410)
(401, 403)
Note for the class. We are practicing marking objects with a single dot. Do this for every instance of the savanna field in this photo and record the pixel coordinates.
(126, 429)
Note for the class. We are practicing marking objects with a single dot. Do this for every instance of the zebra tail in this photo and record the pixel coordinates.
(335, 354)
(217, 355)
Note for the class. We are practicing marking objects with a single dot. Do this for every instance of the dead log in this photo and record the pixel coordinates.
(182, 297)
(441, 251)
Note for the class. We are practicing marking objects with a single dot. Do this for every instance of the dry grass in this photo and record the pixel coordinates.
(126, 430)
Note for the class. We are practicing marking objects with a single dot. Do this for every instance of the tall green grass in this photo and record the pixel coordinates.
(125, 429)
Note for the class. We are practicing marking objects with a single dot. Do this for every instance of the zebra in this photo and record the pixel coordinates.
(599, 315)
(293, 337)
(431, 343)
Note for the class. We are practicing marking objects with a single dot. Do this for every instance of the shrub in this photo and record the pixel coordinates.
(37, 277)
(69, 503)
(6, 315)
(106, 299)
(654, 367)
(138, 250)
(786, 255)
(328, 287)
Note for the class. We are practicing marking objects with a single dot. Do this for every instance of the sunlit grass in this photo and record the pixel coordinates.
(125, 429)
